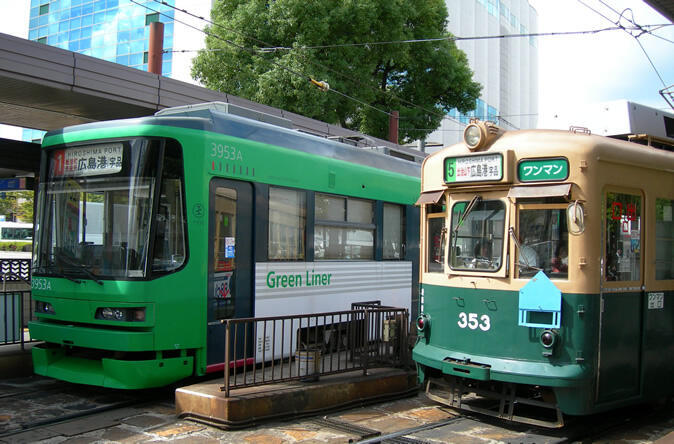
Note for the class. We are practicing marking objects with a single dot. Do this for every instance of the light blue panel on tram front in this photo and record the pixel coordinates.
(540, 300)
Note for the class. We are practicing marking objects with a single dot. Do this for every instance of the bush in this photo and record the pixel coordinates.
(16, 246)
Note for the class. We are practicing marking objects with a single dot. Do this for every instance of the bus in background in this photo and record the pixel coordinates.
(16, 240)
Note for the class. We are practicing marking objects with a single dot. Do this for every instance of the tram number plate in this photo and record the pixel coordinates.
(474, 321)
(656, 301)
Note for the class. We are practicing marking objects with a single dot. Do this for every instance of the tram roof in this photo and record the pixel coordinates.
(218, 120)
(538, 143)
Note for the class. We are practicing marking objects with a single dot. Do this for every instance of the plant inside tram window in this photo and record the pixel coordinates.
(543, 242)
(623, 237)
(477, 235)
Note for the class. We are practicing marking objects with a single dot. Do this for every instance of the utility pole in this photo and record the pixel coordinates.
(156, 47)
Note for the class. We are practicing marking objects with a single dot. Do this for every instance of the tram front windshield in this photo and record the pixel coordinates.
(95, 211)
(477, 235)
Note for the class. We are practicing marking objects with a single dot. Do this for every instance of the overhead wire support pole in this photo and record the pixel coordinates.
(668, 95)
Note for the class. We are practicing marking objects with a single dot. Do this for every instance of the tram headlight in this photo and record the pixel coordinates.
(121, 314)
(44, 307)
(473, 135)
(548, 338)
(479, 135)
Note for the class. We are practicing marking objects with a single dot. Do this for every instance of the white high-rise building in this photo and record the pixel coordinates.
(507, 68)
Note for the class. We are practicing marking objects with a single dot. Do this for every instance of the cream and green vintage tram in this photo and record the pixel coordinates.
(547, 274)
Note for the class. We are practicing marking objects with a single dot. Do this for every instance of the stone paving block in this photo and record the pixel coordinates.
(429, 414)
(361, 415)
(405, 405)
(91, 423)
(144, 421)
(81, 440)
(29, 437)
(299, 434)
(264, 438)
(81, 426)
(122, 434)
(176, 429)
(391, 424)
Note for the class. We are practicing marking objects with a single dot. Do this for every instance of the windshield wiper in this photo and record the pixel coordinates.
(58, 271)
(527, 265)
(83, 268)
(467, 211)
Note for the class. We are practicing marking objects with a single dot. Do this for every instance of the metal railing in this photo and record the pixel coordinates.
(15, 301)
(279, 349)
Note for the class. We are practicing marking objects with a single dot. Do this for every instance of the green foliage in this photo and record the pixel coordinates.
(432, 75)
(19, 204)
(15, 246)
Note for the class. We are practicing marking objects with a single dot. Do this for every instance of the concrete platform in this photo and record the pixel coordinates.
(205, 402)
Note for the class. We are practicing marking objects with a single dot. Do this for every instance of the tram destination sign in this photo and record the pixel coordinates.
(90, 160)
(540, 170)
(482, 168)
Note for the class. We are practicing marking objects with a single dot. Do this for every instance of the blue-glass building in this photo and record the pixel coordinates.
(113, 30)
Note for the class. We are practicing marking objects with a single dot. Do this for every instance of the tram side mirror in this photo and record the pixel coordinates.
(575, 216)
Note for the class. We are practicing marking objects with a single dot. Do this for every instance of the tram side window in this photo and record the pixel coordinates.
(623, 237)
(435, 237)
(394, 223)
(664, 239)
(344, 228)
(544, 242)
(287, 224)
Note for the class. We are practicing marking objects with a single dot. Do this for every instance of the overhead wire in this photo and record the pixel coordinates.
(637, 26)
(270, 48)
(271, 62)
(267, 48)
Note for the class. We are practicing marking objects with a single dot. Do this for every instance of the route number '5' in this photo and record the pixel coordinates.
(472, 321)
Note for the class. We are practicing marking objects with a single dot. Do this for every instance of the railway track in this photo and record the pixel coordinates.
(610, 426)
(34, 403)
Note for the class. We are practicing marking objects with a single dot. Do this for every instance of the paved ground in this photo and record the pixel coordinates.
(156, 422)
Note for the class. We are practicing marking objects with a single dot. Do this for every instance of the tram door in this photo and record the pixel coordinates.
(230, 261)
(622, 298)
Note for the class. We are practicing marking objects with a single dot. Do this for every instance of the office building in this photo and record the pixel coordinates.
(118, 31)
(507, 68)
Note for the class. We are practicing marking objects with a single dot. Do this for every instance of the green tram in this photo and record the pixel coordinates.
(151, 231)
(547, 274)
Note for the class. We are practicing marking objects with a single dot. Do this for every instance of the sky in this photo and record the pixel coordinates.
(573, 70)
(590, 68)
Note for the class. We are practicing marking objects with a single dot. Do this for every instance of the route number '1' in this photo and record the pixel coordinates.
(472, 321)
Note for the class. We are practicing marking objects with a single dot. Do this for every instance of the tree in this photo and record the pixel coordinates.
(420, 80)
(17, 204)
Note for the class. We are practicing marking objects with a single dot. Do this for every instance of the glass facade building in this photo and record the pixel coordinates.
(113, 30)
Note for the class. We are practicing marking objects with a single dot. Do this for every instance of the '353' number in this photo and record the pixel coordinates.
(474, 321)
